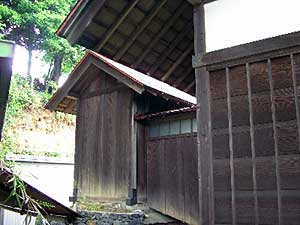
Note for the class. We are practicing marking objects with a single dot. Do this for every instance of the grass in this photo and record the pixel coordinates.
(102, 207)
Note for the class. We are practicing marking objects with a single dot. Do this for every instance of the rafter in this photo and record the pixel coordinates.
(115, 26)
(183, 77)
(174, 44)
(177, 63)
(140, 29)
(85, 20)
(197, 2)
(190, 86)
(165, 28)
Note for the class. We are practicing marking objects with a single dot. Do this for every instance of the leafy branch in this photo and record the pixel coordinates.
(25, 202)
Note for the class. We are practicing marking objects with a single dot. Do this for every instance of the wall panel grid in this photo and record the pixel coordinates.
(172, 185)
(255, 141)
(173, 127)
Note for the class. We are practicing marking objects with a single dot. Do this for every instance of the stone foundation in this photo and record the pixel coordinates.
(92, 218)
(103, 218)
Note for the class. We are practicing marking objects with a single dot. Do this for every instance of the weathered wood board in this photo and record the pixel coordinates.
(172, 185)
(256, 152)
(103, 140)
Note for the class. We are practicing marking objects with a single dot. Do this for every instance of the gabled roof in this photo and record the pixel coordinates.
(154, 36)
(135, 80)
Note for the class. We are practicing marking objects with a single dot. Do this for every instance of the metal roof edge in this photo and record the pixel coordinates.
(72, 16)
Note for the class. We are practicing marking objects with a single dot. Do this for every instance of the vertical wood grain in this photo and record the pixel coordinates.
(296, 91)
(206, 197)
(253, 155)
(275, 142)
(231, 147)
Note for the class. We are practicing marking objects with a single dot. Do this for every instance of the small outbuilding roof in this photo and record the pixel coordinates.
(63, 99)
(153, 36)
(149, 116)
(50, 206)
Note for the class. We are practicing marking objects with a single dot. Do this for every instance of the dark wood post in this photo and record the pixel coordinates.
(6, 59)
(206, 214)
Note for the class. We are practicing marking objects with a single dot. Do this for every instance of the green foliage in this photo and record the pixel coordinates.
(21, 22)
(33, 23)
(24, 112)
(22, 97)
(19, 194)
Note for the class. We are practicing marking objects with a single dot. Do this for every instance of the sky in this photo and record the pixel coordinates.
(228, 23)
(39, 68)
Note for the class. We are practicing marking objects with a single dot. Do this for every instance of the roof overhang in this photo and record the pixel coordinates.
(154, 37)
(66, 97)
(50, 206)
(150, 116)
(197, 2)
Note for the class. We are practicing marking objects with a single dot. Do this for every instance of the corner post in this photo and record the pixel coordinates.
(132, 192)
(204, 138)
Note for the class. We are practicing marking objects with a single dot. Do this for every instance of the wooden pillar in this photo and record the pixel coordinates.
(206, 214)
(6, 58)
(132, 190)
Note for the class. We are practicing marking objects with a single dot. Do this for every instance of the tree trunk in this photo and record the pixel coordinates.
(29, 64)
(57, 65)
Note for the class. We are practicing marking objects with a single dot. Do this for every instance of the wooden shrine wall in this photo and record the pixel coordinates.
(255, 122)
(172, 184)
(103, 141)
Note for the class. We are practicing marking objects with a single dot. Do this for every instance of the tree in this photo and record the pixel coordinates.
(32, 24)
(21, 25)
(59, 54)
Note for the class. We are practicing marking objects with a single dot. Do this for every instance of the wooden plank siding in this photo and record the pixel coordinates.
(172, 184)
(255, 135)
(103, 147)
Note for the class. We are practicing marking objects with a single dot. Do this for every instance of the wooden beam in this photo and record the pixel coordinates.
(231, 153)
(252, 138)
(178, 62)
(194, 2)
(102, 91)
(257, 50)
(66, 88)
(173, 45)
(140, 29)
(185, 74)
(138, 87)
(115, 26)
(132, 195)
(5, 78)
(204, 134)
(85, 19)
(165, 28)
(190, 86)
(296, 91)
(197, 2)
(276, 148)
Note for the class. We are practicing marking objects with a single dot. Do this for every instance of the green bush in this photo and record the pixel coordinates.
(22, 97)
